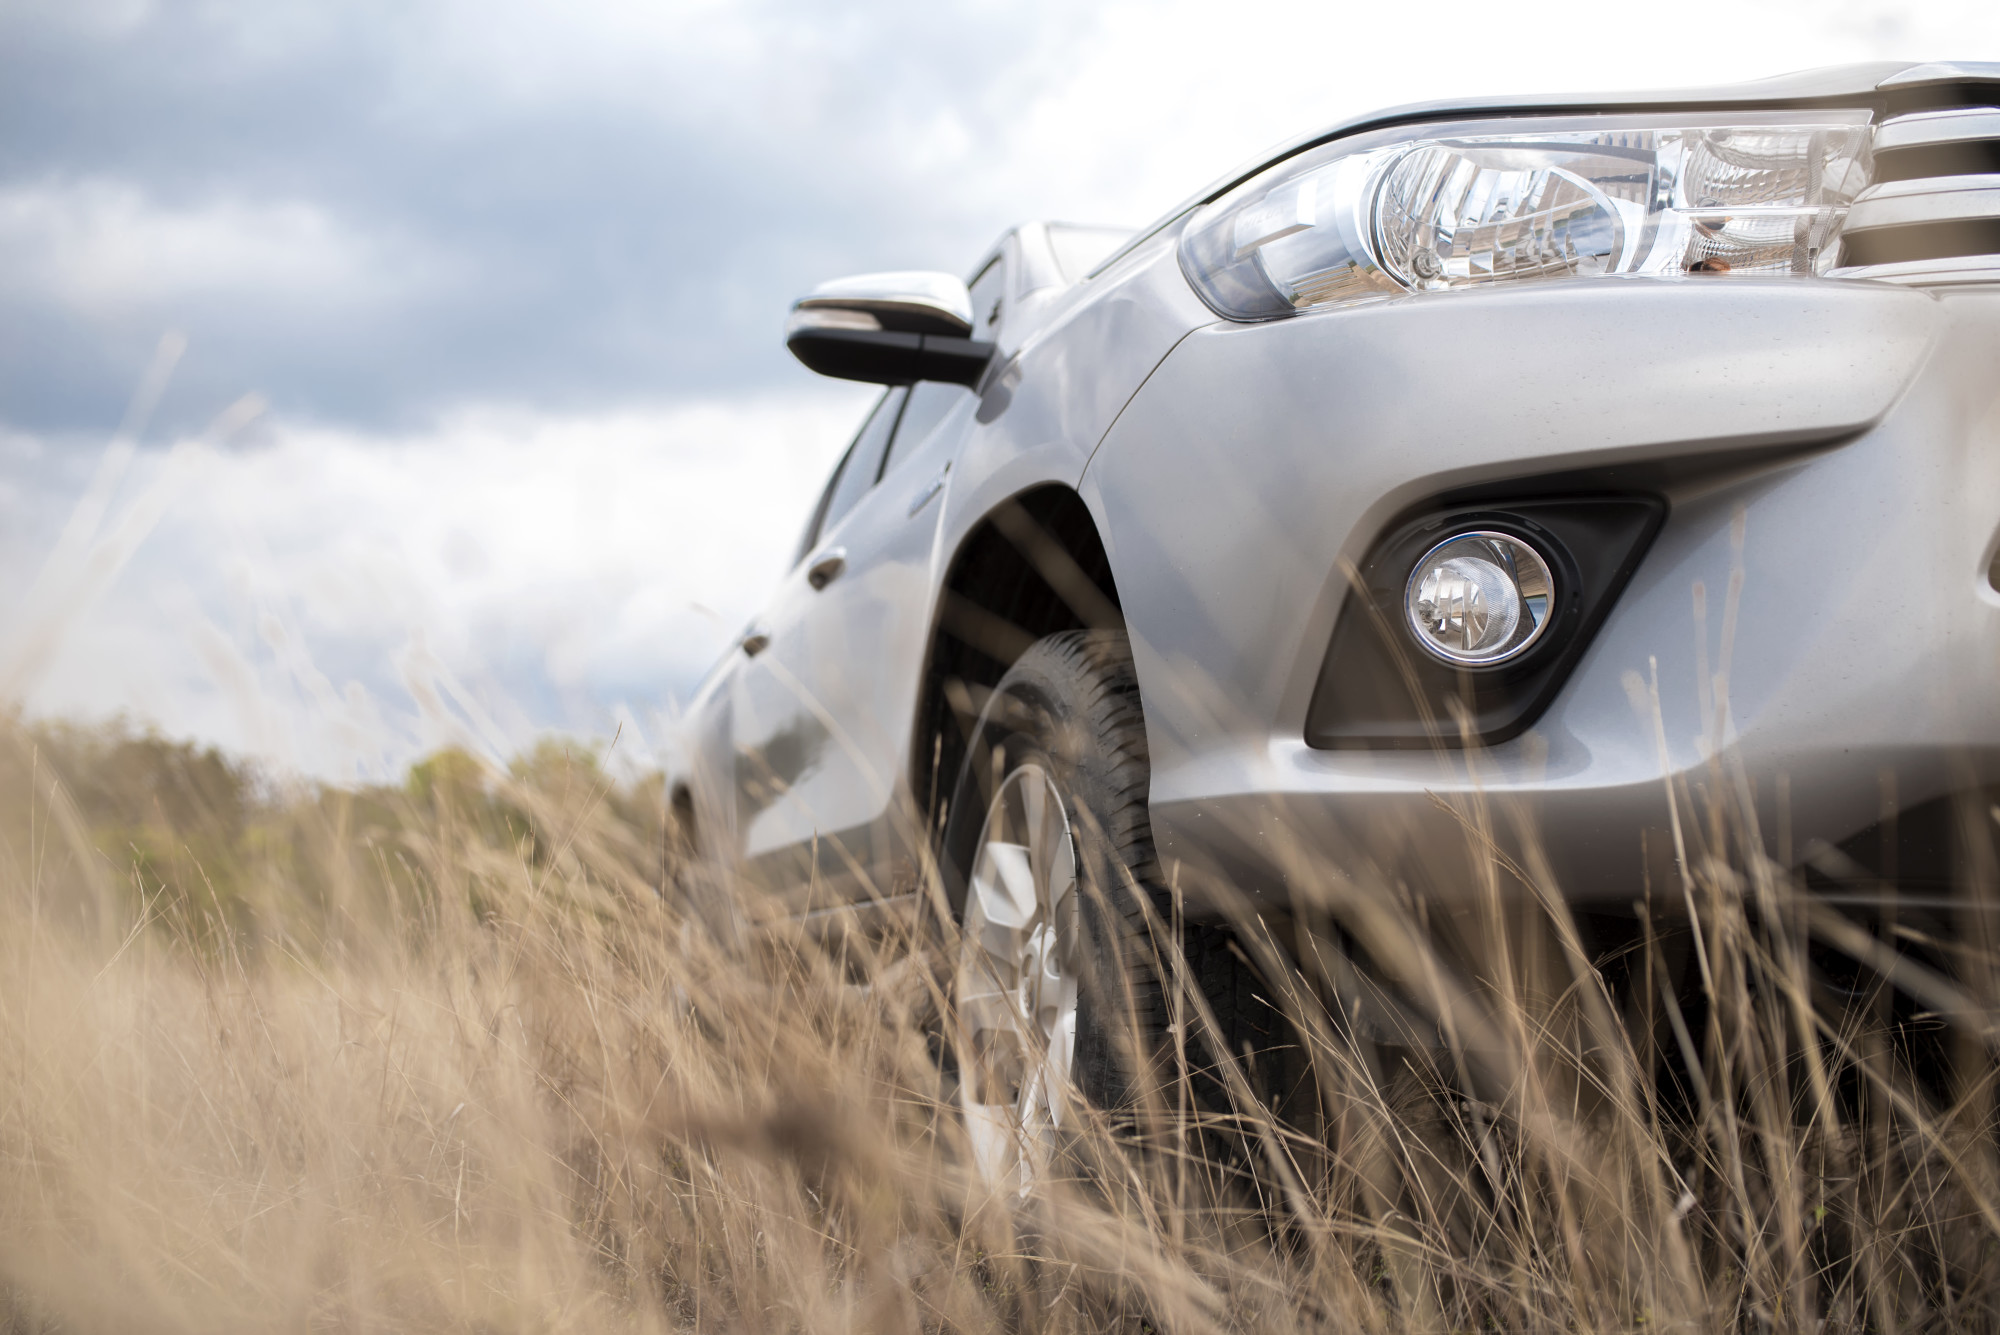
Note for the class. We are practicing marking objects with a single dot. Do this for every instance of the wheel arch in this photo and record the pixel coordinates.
(1033, 565)
(683, 826)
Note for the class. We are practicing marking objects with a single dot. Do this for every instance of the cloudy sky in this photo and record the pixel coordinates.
(375, 373)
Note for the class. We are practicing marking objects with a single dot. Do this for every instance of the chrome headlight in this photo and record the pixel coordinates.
(1476, 203)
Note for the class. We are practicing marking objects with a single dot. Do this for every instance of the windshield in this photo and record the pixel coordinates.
(1080, 248)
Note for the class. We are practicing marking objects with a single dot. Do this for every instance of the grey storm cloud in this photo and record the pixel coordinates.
(370, 212)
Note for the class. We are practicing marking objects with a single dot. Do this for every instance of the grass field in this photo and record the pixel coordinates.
(453, 1056)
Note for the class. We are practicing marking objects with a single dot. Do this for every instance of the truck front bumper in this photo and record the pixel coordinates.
(1812, 640)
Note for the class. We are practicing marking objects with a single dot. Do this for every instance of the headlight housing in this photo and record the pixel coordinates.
(1469, 204)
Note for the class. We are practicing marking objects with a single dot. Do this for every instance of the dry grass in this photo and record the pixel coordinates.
(444, 1057)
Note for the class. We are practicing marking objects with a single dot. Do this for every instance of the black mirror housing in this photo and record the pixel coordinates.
(886, 357)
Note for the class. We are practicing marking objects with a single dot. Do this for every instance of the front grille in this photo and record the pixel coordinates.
(1932, 213)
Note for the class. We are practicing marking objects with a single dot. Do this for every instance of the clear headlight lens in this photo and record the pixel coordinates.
(1479, 599)
(1355, 219)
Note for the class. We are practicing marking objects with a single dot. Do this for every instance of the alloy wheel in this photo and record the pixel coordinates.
(1016, 983)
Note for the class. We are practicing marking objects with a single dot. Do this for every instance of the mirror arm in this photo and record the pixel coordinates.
(955, 361)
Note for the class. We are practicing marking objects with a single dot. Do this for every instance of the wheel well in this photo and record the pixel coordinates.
(681, 838)
(1034, 566)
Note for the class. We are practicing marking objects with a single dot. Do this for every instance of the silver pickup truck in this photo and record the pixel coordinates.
(1532, 451)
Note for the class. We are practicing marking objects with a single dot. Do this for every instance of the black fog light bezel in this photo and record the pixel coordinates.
(1378, 689)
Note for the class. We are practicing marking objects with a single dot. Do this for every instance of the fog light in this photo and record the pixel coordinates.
(1479, 598)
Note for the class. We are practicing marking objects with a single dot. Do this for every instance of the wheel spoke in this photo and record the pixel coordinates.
(1034, 807)
(995, 1139)
(1048, 982)
(989, 1011)
(1058, 1057)
(1047, 831)
(1007, 889)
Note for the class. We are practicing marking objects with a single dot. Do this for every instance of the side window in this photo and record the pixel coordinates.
(988, 288)
(819, 521)
(813, 525)
(929, 404)
(862, 465)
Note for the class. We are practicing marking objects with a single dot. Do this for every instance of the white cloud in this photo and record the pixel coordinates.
(1167, 95)
(104, 247)
(301, 598)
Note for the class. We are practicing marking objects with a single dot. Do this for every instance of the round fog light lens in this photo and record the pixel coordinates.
(1479, 598)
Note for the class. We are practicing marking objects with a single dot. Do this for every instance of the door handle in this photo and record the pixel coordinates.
(755, 641)
(931, 489)
(827, 569)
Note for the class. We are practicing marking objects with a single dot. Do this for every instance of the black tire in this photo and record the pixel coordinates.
(1071, 703)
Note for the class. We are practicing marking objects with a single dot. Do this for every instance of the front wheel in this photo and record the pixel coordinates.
(1049, 855)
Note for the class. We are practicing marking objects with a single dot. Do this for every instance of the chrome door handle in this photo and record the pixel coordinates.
(931, 489)
(827, 569)
(755, 641)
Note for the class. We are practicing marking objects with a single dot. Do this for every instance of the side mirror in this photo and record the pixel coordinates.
(889, 329)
